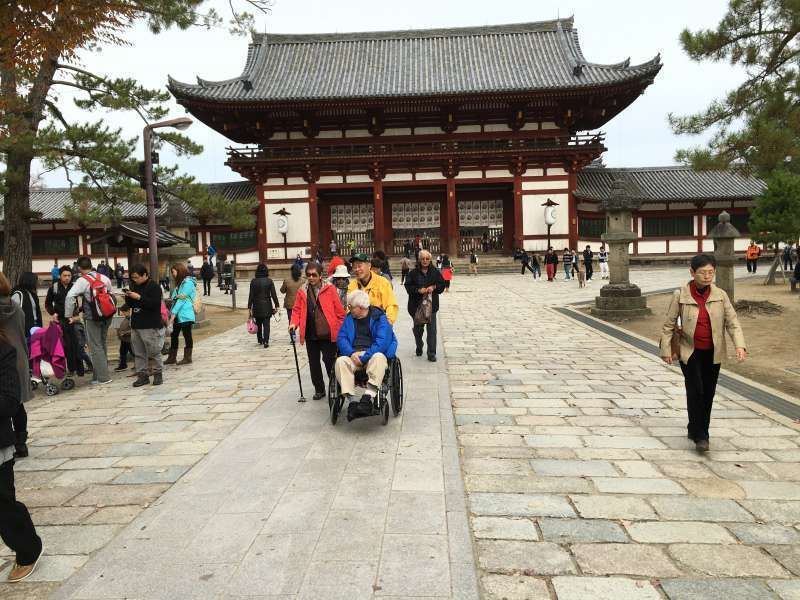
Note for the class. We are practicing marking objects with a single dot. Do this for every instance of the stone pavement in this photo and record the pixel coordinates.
(580, 479)
(288, 506)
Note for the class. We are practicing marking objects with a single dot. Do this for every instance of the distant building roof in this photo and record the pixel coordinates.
(675, 183)
(50, 202)
(139, 236)
(522, 57)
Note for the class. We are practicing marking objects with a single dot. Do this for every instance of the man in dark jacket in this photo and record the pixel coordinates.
(147, 326)
(588, 255)
(425, 279)
(54, 305)
(206, 274)
(16, 527)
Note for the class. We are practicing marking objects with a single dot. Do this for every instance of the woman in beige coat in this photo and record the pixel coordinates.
(698, 341)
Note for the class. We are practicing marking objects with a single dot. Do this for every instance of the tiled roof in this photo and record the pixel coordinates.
(138, 232)
(51, 202)
(523, 57)
(677, 183)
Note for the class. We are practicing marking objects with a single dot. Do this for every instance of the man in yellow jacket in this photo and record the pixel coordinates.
(377, 287)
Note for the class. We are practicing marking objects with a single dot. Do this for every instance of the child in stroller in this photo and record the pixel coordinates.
(48, 361)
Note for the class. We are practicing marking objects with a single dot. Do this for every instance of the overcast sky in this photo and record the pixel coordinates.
(609, 32)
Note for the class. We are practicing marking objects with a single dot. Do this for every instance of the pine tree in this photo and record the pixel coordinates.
(40, 41)
(776, 216)
(756, 125)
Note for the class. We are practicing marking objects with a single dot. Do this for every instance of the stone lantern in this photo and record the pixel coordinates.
(724, 234)
(619, 299)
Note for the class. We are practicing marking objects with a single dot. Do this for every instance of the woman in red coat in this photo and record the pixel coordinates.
(317, 316)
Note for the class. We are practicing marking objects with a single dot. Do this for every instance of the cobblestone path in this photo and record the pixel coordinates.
(580, 479)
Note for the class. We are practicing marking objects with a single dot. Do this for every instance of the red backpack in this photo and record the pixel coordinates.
(102, 302)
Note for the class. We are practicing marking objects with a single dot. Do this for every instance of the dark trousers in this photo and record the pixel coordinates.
(16, 528)
(206, 287)
(403, 274)
(316, 349)
(20, 423)
(431, 335)
(589, 269)
(526, 266)
(787, 264)
(71, 350)
(752, 265)
(700, 376)
(262, 329)
(177, 328)
(124, 349)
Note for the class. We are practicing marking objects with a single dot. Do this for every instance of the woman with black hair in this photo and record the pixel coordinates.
(694, 333)
(26, 296)
(16, 527)
(262, 303)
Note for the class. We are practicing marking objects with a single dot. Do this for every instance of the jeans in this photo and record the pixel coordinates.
(589, 269)
(700, 376)
(206, 287)
(16, 527)
(97, 338)
(262, 329)
(431, 335)
(567, 269)
(147, 344)
(316, 349)
(752, 265)
(537, 271)
(125, 349)
(787, 264)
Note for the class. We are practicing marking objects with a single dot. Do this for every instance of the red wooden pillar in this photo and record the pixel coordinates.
(451, 224)
(261, 226)
(518, 241)
(379, 221)
(573, 209)
(313, 215)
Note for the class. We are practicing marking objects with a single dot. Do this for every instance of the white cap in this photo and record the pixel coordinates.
(341, 271)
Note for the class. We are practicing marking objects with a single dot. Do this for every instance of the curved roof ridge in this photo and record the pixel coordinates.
(504, 29)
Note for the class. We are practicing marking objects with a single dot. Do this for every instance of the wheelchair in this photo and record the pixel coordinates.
(390, 392)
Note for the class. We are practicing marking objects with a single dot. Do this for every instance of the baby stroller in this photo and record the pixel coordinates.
(48, 361)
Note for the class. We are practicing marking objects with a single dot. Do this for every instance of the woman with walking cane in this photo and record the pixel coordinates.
(317, 316)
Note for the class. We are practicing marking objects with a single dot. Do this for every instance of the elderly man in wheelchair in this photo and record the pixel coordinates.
(367, 345)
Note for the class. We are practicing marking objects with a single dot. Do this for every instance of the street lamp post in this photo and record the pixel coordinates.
(549, 217)
(147, 137)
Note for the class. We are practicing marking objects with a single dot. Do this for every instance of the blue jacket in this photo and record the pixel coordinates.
(183, 308)
(383, 338)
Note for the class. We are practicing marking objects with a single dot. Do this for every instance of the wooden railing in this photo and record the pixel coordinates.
(490, 241)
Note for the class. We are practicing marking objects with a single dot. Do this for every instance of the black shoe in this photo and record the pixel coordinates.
(157, 379)
(266, 344)
(121, 368)
(702, 446)
(20, 450)
(419, 351)
(432, 358)
(317, 395)
(365, 404)
(142, 379)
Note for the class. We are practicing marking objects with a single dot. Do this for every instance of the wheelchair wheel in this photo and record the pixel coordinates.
(333, 390)
(397, 387)
(68, 384)
(384, 411)
(51, 389)
(336, 408)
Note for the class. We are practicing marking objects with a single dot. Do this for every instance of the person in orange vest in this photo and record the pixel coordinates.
(751, 255)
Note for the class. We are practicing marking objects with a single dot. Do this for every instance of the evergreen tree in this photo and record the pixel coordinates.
(40, 41)
(756, 125)
(776, 216)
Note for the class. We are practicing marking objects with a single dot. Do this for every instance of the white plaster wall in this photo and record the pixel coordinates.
(274, 181)
(652, 247)
(330, 179)
(358, 179)
(681, 246)
(357, 133)
(548, 125)
(556, 171)
(299, 222)
(533, 215)
(469, 129)
(242, 258)
(398, 131)
(496, 127)
(545, 185)
(470, 175)
(541, 246)
(296, 135)
(398, 177)
(299, 194)
(331, 133)
(428, 176)
(493, 173)
(533, 173)
(741, 244)
(588, 207)
(427, 130)
(530, 127)
(292, 251)
(695, 220)
(654, 206)
(708, 245)
(295, 181)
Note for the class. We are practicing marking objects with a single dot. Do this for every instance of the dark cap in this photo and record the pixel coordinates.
(360, 257)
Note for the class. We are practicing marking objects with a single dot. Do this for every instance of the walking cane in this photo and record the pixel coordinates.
(297, 366)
